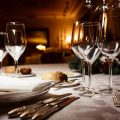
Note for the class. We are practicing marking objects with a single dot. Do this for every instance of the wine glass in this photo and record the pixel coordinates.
(74, 40)
(110, 44)
(16, 42)
(89, 33)
(3, 51)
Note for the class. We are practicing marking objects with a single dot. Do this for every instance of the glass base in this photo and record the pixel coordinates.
(106, 90)
(81, 88)
(88, 93)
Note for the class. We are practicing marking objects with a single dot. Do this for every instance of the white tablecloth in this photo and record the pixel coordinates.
(98, 107)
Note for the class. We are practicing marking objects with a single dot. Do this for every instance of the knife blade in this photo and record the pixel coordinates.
(18, 111)
(43, 105)
(43, 114)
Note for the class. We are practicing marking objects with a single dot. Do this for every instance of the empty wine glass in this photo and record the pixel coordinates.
(89, 33)
(16, 42)
(3, 51)
(74, 41)
(110, 44)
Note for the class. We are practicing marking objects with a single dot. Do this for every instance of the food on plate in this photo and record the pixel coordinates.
(10, 69)
(56, 76)
(25, 70)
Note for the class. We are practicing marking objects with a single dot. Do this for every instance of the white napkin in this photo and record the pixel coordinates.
(13, 83)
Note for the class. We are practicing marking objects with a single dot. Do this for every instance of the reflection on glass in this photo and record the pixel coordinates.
(3, 51)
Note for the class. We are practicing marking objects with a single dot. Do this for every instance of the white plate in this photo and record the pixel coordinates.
(73, 74)
(21, 96)
(14, 96)
(65, 84)
(20, 75)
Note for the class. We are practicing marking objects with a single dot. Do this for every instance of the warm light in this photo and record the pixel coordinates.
(68, 39)
(76, 23)
(41, 47)
(104, 23)
(81, 34)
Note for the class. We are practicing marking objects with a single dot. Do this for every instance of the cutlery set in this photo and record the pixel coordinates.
(43, 108)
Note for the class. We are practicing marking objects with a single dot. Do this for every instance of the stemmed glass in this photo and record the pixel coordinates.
(16, 42)
(74, 40)
(3, 51)
(89, 33)
(110, 44)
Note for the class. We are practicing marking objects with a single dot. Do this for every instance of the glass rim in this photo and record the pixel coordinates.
(90, 23)
(15, 23)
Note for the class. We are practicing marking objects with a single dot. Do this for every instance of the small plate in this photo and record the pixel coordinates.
(70, 83)
(21, 75)
(73, 74)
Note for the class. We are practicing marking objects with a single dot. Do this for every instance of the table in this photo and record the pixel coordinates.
(98, 107)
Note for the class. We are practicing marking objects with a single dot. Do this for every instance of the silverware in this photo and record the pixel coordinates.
(42, 114)
(40, 109)
(27, 109)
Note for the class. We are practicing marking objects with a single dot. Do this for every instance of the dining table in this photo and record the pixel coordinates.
(97, 107)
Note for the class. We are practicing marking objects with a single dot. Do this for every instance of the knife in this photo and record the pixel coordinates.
(18, 111)
(43, 114)
(42, 108)
(44, 104)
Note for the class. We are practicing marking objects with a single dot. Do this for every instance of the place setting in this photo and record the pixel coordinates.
(14, 89)
(22, 72)
(65, 79)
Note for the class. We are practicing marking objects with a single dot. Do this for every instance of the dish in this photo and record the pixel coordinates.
(19, 96)
(70, 83)
(73, 74)
(20, 75)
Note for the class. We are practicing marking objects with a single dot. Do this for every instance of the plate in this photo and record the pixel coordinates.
(20, 75)
(14, 96)
(70, 83)
(21, 96)
(73, 74)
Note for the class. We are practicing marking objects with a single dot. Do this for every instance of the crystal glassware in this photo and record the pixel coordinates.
(3, 51)
(89, 33)
(74, 40)
(110, 44)
(16, 42)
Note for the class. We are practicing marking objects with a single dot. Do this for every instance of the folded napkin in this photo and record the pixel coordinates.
(27, 83)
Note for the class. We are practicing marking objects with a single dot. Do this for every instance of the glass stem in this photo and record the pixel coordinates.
(83, 71)
(89, 75)
(16, 63)
(110, 73)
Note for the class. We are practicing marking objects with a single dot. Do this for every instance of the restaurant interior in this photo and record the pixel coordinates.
(48, 26)
(48, 70)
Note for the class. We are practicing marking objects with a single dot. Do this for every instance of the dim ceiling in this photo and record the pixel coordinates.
(42, 8)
